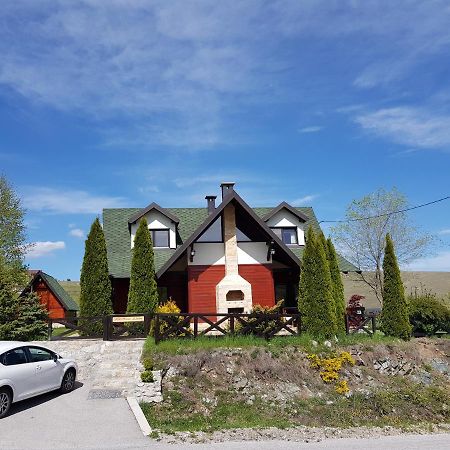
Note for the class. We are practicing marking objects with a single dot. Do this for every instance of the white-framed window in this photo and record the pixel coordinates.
(288, 235)
(160, 238)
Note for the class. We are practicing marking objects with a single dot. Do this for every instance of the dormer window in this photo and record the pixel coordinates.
(160, 238)
(288, 235)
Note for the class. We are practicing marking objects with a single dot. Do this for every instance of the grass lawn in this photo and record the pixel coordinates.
(304, 341)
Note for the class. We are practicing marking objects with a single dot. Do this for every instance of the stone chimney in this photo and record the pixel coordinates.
(232, 291)
(211, 203)
(227, 188)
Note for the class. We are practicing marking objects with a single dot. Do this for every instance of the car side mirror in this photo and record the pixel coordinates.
(55, 357)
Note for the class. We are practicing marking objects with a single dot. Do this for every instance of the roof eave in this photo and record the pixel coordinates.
(291, 209)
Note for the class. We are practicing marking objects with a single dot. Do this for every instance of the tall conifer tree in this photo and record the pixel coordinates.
(96, 292)
(315, 290)
(338, 287)
(394, 315)
(143, 293)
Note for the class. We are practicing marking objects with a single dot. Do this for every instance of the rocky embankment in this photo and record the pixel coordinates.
(391, 386)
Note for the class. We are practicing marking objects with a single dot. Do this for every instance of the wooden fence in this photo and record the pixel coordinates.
(191, 325)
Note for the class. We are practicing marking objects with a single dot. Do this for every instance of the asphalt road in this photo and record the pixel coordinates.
(409, 442)
(73, 421)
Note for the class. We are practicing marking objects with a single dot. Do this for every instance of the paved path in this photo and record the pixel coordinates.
(54, 421)
(110, 365)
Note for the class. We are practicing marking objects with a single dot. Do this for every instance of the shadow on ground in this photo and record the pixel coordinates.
(35, 401)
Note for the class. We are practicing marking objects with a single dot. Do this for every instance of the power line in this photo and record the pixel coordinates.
(387, 214)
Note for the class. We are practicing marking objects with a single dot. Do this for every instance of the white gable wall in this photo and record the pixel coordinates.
(157, 221)
(284, 218)
(213, 254)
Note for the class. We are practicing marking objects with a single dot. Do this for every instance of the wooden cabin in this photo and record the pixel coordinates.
(59, 304)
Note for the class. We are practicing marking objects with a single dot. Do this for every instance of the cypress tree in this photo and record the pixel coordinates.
(394, 315)
(95, 294)
(143, 293)
(315, 290)
(338, 287)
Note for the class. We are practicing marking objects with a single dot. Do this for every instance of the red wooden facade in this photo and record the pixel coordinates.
(49, 301)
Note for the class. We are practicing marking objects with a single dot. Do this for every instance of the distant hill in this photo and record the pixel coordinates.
(72, 288)
(436, 282)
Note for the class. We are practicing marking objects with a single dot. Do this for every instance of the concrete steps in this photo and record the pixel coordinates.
(109, 365)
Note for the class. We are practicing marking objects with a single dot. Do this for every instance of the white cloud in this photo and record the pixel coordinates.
(304, 200)
(408, 126)
(77, 232)
(172, 69)
(444, 231)
(438, 263)
(45, 248)
(58, 201)
(312, 129)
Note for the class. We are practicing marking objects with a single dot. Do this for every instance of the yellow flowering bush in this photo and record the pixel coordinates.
(342, 387)
(329, 369)
(169, 307)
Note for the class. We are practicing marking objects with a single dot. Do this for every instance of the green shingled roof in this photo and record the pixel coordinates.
(117, 235)
(66, 300)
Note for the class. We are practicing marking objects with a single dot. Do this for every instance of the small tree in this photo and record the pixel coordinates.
(361, 238)
(31, 319)
(21, 318)
(394, 315)
(12, 235)
(315, 290)
(338, 286)
(143, 293)
(95, 292)
(8, 308)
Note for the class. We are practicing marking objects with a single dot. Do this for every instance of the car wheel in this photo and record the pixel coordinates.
(5, 402)
(68, 381)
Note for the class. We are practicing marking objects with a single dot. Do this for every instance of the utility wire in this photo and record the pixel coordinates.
(387, 214)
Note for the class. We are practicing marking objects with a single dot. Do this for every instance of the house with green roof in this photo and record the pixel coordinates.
(217, 259)
(58, 303)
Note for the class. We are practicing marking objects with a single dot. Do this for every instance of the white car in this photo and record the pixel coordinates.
(28, 370)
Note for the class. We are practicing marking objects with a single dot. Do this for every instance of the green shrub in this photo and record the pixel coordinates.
(95, 284)
(394, 315)
(267, 326)
(316, 301)
(427, 314)
(148, 363)
(147, 376)
(143, 292)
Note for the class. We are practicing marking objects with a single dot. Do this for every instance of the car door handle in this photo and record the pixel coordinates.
(38, 367)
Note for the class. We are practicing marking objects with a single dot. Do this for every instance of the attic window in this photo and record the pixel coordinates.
(160, 238)
(287, 235)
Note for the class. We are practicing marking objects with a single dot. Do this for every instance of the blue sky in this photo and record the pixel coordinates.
(119, 103)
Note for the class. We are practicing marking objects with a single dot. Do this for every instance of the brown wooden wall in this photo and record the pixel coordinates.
(176, 284)
(49, 301)
(120, 294)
